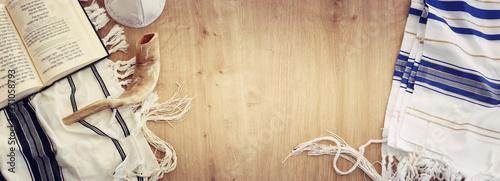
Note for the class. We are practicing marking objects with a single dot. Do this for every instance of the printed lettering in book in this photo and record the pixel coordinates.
(44, 41)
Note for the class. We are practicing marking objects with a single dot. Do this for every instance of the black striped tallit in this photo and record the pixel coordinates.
(33, 143)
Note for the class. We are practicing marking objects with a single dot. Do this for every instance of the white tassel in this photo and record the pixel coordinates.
(122, 46)
(120, 65)
(126, 74)
(415, 167)
(410, 166)
(116, 40)
(97, 15)
(128, 65)
(117, 68)
(166, 164)
(112, 37)
(116, 36)
(173, 110)
(125, 82)
(341, 149)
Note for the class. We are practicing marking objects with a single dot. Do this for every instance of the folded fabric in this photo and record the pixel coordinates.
(448, 111)
(105, 146)
(442, 118)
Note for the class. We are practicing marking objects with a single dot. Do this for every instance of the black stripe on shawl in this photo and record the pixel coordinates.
(10, 116)
(34, 143)
(118, 116)
(2, 178)
(72, 95)
(104, 89)
(48, 145)
(101, 133)
(88, 125)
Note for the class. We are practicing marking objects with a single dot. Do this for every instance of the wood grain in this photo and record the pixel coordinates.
(268, 75)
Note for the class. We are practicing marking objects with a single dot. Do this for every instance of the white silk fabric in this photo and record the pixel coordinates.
(444, 104)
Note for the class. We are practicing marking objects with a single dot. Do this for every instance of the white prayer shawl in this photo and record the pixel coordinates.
(447, 106)
(105, 146)
(443, 114)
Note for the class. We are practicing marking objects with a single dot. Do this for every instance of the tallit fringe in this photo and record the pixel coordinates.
(97, 15)
(121, 70)
(173, 110)
(410, 166)
(116, 40)
(340, 149)
(116, 37)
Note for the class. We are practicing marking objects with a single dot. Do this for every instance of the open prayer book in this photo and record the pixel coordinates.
(42, 41)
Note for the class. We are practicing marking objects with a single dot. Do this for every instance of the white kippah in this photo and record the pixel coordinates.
(134, 13)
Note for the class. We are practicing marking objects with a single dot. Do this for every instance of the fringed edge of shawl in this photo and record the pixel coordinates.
(173, 110)
(409, 166)
(97, 15)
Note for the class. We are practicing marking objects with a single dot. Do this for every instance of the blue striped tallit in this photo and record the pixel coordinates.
(445, 100)
(406, 63)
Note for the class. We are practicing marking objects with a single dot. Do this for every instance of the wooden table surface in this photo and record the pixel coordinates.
(269, 75)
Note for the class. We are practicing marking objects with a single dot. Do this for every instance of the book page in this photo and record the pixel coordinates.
(54, 36)
(15, 61)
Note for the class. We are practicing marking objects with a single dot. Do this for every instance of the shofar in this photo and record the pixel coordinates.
(147, 71)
